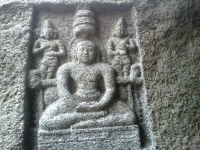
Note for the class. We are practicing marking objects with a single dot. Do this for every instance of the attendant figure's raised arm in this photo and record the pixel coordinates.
(131, 44)
(61, 50)
(111, 48)
(37, 47)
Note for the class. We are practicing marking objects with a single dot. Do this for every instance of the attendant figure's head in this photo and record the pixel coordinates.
(86, 52)
(120, 29)
(48, 31)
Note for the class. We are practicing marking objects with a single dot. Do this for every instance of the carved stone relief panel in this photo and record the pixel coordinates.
(87, 79)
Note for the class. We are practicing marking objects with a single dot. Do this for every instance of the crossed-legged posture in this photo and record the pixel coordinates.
(86, 105)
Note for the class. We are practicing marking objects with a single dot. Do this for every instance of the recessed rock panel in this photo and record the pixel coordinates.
(86, 74)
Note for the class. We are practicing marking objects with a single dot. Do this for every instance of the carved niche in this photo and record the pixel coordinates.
(87, 80)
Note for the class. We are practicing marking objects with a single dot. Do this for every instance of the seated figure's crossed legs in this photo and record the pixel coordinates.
(118, 115)
(60, 115)
(55, 117)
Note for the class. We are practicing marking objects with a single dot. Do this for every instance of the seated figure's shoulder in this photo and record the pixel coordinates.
(65, 67)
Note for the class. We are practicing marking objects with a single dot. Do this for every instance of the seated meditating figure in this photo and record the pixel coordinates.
(86, 106)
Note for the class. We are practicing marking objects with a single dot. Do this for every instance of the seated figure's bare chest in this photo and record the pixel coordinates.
(85, 74)
(86, 79)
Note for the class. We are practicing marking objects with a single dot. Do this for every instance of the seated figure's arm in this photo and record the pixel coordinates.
(63, 82)
(109, 80)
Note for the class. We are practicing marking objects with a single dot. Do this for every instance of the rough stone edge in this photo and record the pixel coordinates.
(26, 46)
(146, 114)
(67, 2)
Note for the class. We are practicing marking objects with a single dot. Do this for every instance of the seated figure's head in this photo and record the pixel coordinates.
(86, 52)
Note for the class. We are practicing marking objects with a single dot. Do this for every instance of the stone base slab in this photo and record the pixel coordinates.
(105, 138)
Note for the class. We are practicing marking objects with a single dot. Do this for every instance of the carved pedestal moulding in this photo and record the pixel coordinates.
(87, 80)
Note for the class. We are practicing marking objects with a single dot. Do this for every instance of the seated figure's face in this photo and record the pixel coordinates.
(86, 52)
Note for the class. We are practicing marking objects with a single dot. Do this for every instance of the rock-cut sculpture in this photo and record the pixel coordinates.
(51, 48)
(87, 106)
(118, 49)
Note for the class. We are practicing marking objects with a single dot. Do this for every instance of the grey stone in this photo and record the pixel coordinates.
(15, 28)
(156, 60)
(111, 138)
(93, 87)
(82, 102)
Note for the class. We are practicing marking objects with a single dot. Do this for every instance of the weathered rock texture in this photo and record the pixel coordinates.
(14, 42)
(168, 36)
